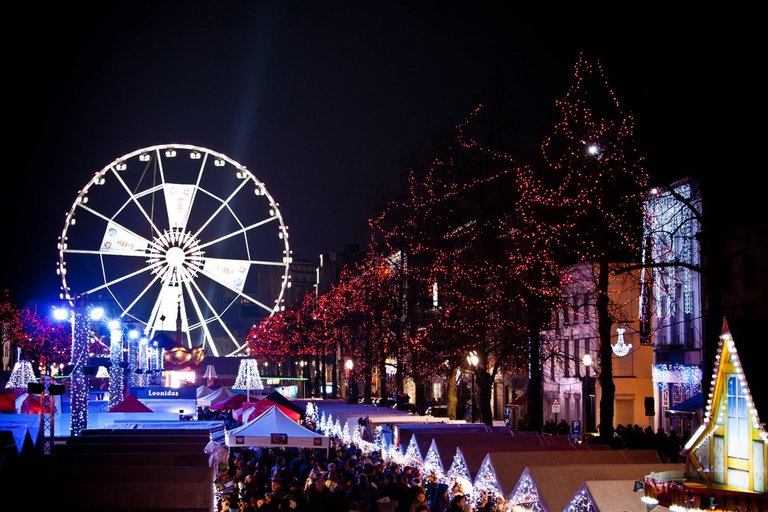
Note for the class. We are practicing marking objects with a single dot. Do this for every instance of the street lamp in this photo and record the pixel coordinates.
(350, 365)
(472, 359)
(589, 394)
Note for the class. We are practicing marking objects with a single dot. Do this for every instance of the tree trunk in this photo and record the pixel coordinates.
(367, 384)
(382, 371)
(604, 323)
(484, 395)
(535, 413)
(452, 395)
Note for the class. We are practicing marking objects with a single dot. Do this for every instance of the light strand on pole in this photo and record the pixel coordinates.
(116, 371)
(79, 388)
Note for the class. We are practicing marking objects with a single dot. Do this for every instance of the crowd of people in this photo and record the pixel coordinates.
(668, 446)
(340, 480)
(344, 479)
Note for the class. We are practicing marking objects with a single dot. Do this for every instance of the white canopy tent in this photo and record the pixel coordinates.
(273, 428)
(215, 396)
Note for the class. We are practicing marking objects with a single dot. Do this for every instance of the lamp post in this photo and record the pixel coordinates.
(350, 365)
(472, 359)
(589, 394)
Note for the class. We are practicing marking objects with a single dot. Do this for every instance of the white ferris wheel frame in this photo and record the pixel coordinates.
(175, 254)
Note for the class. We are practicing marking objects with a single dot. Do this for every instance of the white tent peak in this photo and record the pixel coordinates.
(274, 428)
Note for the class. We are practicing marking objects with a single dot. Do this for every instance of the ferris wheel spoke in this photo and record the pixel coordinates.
(217, 317)
(141, 294)
(224, 204)
(133, 199)
(238, 232)
(195, 188)
(267, 263)
(113, 282)
(231, 274)
(118, 239)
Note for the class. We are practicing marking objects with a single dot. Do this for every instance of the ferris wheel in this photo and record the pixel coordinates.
(180, 238)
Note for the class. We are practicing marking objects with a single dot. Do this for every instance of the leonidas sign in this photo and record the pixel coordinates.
(279, 438)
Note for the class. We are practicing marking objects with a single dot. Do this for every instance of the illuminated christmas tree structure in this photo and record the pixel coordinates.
(486, 484)
(525, 495)
(432, 464)
(248, 377)
(21, 375)
(582, 501)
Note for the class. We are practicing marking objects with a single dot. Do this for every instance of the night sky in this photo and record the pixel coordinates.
(327, 102)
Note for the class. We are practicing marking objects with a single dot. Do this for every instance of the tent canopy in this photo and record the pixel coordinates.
(690, 406)
(202, 391)
(265, 403)
(280, 399)
(130, 404)
(231, 402)
(274, 429)
(216, 396)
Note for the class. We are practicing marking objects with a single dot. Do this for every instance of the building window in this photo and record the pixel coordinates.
(586, 308)
(738, 425)
(567, 357)
(677, 394)
(437, 391)
(566, 319)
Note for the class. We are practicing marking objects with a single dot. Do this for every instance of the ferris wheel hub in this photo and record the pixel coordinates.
(175, 256)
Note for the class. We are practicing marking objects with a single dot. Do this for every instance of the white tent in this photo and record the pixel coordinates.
(215, 396)
(274, 428)
(202, 391)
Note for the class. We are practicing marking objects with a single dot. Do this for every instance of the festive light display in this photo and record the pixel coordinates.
(79, 359)
(728, 347)
(620, 348)
(458, 467)
(323, 423)
(412, 455)
(431, 465)
(486, 486)
(586, 203)
(248, 377)
(346, 436)
(310, 414)
(525, 495)
(42, 342)
(116, 370)
(669, 229)
(21, 375)
(133, 362)
(687, 376)
(581, 502)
